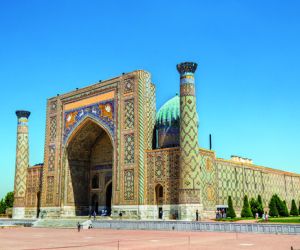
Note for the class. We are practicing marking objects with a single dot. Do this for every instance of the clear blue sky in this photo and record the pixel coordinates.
(248, 77)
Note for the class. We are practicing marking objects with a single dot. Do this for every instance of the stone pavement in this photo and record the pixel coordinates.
(47, 238)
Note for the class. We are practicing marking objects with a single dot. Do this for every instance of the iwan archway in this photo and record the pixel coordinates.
(89, 170)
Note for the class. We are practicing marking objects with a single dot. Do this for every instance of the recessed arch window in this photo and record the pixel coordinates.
(95, 181)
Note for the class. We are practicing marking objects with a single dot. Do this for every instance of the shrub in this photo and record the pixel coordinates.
(286, 211)
(254, 206)
(2, 207)
(246, 211)
(280, 205)
(230, 211)
(294, 210)
(9, 199)
(273, 211)
(260, 207)
(7, 202)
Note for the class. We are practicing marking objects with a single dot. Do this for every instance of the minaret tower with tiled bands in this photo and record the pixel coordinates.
(22, 162)
(189, 183)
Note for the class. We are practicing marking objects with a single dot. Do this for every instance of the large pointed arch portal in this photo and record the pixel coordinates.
(88, 169)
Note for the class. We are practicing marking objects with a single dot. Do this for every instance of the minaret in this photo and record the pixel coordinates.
(189, 185)
(22, 162)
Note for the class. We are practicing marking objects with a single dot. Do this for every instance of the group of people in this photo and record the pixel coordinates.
(94, 214)
(220, 213)
(265, 216)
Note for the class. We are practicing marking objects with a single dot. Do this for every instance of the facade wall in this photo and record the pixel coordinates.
(33, 190)
(163, 169)
(129, 124)
(238, 180)
(220, 178)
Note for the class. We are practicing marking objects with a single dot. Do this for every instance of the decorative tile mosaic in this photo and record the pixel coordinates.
(129, 114)
(128, 85)
(128, 184)
(51, 159)
(50, 189)
(102, 111)
(129, 149)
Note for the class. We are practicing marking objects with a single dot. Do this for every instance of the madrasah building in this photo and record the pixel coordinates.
(106, 147)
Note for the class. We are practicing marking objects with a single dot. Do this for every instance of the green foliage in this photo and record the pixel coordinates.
(254, 206)
(280, 206)
(9, 199)
(299, 207)
(230, 211)
(7, 202)
(246, 211)
(2, 207)
(291, 219)
(260, 208)
(294, 210)
(286, 211)
(273, 211)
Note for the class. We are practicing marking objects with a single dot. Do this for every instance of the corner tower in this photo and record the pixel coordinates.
(22, 162)
(189, 185)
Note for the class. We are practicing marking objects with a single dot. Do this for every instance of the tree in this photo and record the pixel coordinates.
(254, 206)
(7, 202)
(273, 211)
(294, 210)
(286, 211)
(9, 199)
(246, 211)
(280, 206)
(260, 206)
(299, 207)
(230, 211)
(2, 207)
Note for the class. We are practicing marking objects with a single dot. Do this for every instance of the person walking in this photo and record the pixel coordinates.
(94, 214)
(78, 226)
(197, 215)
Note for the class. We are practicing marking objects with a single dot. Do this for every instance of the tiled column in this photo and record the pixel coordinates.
(189, 189)
(22, 163)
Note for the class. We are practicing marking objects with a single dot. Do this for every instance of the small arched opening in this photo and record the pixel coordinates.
(95, 181)
(159, 198)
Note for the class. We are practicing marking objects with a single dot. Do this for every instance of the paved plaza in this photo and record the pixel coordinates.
(44, 238)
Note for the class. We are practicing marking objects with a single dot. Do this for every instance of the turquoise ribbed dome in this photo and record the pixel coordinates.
(169, 113)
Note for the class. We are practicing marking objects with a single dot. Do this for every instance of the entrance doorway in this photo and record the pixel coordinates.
(108, 198)
(90, 160)
(95, 204)
(159, 198)
(160, 213)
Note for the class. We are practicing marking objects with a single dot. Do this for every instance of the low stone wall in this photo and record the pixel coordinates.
(9, 222)
(201, 226)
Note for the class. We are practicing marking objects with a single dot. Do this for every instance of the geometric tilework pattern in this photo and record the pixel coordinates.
(190, 183)
(52, 129)
(129, 114)
(22, 161)
(53, 106)
(51, 160)
(128, 184)
(128, 85)
(238, 180)
(163, 169)
(208, 181)
(50, 189)
(129, 148)
(189, 143)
